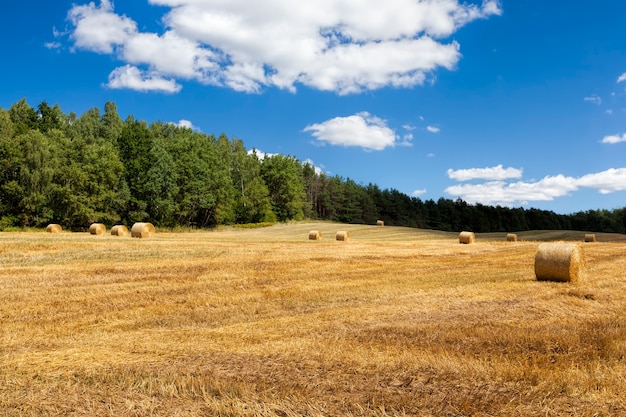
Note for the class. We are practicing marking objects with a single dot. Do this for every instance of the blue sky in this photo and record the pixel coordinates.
(510, 102)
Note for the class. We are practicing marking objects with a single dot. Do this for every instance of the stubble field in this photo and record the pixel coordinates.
(264, 322)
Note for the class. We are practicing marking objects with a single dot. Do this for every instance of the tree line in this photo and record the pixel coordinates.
(61, 168)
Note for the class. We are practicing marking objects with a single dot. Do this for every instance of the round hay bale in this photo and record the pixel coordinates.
(97, 229)
(54, 228)
(380, 223)
(119, 230)
(342, 236)
(315, 235)
(142, 230)
(467, 238)
(590, 237)
(511, 237)
(559, 261)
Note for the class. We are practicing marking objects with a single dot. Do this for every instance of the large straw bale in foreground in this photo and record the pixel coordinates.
(54, 228)
(97, 229)
(315, 235)
(119, 230)
(142, 230)
(590, 237)
(342, 236)
(559, 261)
(511, 237)
(467, 237)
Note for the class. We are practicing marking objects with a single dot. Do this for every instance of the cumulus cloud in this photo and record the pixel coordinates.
(501, 193)
(99, 29)
(614, 138)
(418, 193)
(494, 173)
(546, 189)
(621, 78)
(186, 124)
(606, 182)
(135, 79)
(359, 130)
(344, 46)
(433, 129)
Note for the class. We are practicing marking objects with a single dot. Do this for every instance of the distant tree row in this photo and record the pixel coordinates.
(58, 167)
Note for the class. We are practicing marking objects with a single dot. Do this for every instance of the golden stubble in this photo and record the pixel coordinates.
(265, 322)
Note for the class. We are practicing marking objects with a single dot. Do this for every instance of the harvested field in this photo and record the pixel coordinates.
(261, 322)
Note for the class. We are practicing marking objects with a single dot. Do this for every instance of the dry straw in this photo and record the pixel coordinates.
(97, 229)
(119, 230)
(315, 235)
(590, 237)
(54, 228)
(142, 230)
(511, 237)
(467, 237)
(342, 236)
(559, 261)
(380, 223)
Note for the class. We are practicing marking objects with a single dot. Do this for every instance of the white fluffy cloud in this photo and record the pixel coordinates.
(606, 182)
(359, 130)
(433, 129)
(614, 138)
(499, 192)
(496, 173)
(546, 189)
(621, 78)
(187, 124)
(133, 78)
(345, 46)
(99, 29)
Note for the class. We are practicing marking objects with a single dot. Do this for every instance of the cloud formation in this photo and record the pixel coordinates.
(546, 189)
(187, 124)
(493, 173)
(133, 78)
(360, 130)
(344, 46)
(614, 138)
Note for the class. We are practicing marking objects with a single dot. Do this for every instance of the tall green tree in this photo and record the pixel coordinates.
(87, 186)
(161, 184)
(49, 118)
(251, 196)
(6, 125)
(23, 116)
(135, 147)
(204, 185)
(34, 184)
(112, 124)
(283, 177)
(225, 209)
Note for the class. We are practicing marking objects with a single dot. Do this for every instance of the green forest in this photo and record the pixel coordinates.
(97, 167)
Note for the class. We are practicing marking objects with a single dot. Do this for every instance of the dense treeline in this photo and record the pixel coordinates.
(71, 170)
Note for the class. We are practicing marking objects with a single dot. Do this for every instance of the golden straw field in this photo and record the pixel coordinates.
(265, 322)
